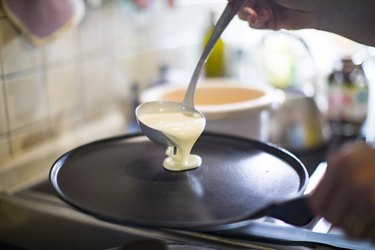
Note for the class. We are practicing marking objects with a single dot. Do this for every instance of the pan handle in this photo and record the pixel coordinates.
(295, 211)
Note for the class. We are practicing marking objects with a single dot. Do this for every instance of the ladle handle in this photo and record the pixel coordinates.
(229, 12)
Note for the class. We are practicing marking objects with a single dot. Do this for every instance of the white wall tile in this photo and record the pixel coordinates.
(98, 79)
(65, 48)
(96, 34)
(17, 53)
(3, 117)
(30, 136)
(127, 72)
(26, 100)
(5, 150)
(126, 37)
(63, 91)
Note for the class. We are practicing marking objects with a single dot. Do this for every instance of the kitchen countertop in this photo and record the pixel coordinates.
(28, 168)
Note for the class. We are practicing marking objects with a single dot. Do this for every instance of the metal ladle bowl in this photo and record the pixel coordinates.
(159, 107)
(187, 106)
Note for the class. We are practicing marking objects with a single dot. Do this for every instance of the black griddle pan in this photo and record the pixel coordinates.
(122, 180)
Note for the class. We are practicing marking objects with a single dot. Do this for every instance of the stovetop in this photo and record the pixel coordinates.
(36, 219)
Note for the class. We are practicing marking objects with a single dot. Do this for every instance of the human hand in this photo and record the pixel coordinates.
(346, 195)
(277, 14)
(350, 18)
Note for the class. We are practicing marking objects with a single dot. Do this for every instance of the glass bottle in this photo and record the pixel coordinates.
(215, 65)
(347, 95)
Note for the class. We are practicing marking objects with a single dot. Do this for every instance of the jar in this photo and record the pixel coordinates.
(347, 95)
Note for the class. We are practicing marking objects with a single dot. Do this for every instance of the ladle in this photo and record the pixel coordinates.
(187, 105)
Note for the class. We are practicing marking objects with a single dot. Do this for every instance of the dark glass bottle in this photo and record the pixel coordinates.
(347, 98)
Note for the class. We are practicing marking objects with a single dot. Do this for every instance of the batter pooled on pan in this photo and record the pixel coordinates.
(183, 130)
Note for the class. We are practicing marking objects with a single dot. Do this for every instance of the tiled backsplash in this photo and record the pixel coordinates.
(46, 91)
(86, 74)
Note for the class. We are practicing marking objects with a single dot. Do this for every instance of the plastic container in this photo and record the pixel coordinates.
(229, 107)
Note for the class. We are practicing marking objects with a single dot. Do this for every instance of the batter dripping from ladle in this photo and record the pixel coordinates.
(178, 125)
(182, 130)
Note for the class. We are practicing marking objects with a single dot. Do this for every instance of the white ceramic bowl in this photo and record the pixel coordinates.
(229, 107)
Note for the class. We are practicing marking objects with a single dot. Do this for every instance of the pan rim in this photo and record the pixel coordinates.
(216, 224)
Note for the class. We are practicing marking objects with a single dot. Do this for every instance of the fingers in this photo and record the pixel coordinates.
(277, 14)
(341, 167)
(247, 13)
(355, 224)
(328, 187)
(346, 195)
(357, 216)
(257, 14)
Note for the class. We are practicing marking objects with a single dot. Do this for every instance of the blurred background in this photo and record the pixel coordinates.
(84, 84)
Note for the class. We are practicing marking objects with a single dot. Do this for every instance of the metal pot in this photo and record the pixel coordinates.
(296, 123)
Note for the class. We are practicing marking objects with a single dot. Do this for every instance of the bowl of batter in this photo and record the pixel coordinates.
(229, 106)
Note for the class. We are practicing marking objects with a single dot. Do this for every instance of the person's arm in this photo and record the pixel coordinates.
(354, 19)
(350, 18)
(346, 194)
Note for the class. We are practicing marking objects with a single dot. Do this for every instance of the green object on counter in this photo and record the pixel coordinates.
(215, 65)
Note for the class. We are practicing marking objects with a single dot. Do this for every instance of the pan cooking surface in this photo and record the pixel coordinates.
(122, 180)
